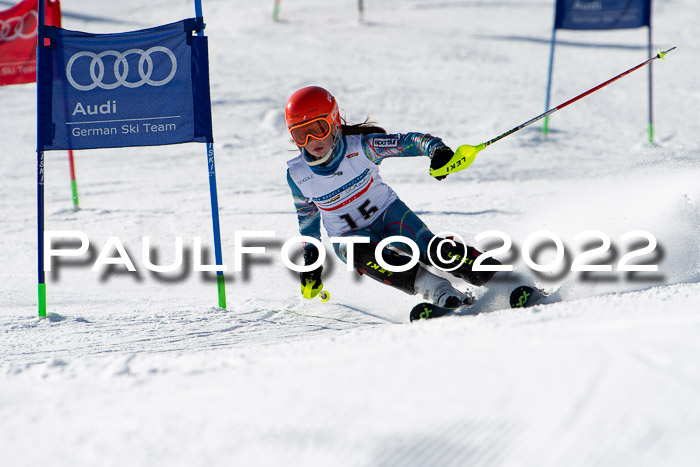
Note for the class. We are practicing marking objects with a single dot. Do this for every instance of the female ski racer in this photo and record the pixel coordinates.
(335, 179)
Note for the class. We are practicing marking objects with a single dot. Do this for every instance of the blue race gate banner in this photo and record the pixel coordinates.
(602, 14)
(141, 88)
(598, 15)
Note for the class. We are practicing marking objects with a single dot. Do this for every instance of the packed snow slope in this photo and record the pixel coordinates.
(142, 368)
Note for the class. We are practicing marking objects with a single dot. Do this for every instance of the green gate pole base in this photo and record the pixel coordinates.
(545, 126)
(74, 188)
(42, 300)
(651, 134)
(221, 287)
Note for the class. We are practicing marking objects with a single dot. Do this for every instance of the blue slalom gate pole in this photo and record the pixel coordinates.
(651, 101)
(545, 125)
(220, 281)
(40, 176)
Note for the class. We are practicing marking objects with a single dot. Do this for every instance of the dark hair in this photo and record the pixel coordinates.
(364, 128)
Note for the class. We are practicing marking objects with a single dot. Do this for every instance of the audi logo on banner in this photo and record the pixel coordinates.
(24, 27)
(96, 68)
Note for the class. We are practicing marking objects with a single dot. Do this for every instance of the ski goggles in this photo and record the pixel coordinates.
(317, 128)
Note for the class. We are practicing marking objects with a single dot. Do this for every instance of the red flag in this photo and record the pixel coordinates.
(18, 35)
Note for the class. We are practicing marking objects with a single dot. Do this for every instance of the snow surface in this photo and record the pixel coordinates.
(143, 368)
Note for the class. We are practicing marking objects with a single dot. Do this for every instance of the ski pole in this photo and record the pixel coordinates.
(465, 153)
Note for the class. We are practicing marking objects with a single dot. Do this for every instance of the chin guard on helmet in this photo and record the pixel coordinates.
(321, 160)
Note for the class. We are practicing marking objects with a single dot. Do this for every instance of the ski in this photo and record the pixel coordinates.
(521, 297)
(525, 296)
(427, 310)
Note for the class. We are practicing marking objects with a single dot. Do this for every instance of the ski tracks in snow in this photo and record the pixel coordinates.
(29, 341)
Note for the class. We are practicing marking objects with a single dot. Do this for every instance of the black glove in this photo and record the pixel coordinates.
(441, 156)
(311, 283)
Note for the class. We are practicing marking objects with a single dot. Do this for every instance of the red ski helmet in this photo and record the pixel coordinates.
(312, 112)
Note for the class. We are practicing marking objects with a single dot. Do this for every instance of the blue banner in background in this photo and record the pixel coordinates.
(602, 14)
(141, 88)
